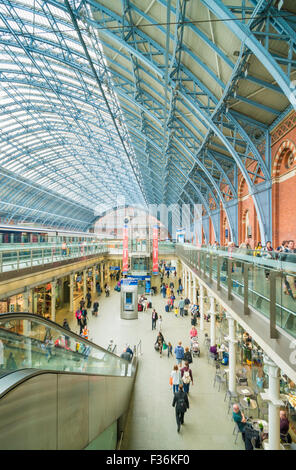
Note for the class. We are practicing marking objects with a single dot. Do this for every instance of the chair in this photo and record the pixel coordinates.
(236, 431)
(255, 397)
(221, 380)
(242, 381)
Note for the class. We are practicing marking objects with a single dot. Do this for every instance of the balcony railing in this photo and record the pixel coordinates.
(266, 282)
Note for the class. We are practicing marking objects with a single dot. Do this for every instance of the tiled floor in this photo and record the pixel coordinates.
(151, 420)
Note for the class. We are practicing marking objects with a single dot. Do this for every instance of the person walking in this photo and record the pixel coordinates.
(95, 308)
(193, 332)
(170, 349)
(175, 378)
(88, 298)
(181, 404)
(163, 291)
(78, 316)
(187, 377)
(188, 356)
(154, 319)
(160, 341)
(181, 306)
(179, 351)
(159, 323)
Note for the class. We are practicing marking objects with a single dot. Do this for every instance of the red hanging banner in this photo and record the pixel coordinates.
(125, 250)
(155, 250)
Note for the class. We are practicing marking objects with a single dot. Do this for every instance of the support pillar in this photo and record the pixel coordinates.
(272, 395)
(232, 354)
(201, 306)
(84, 283)
(189, 285)
(186, 283)
(53, 300)
(102, 277)
(94, 279)
(26, 307)
(193, 295)
(213, 320)
(71, 305)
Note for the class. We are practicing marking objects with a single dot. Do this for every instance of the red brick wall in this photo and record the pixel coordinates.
(284, 180)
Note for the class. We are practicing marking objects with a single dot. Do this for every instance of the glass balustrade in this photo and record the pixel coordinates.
(24, 257)
(30, 342)
(270, 275)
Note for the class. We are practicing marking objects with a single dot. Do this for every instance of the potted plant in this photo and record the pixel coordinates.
(261, 427)
(248, 400)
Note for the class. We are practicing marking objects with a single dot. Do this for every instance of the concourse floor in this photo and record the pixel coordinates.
(151, 422)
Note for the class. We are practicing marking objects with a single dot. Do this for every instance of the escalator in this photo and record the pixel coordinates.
(57, 390)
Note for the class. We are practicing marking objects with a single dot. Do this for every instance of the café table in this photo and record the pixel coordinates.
(248, 406)
(257, 422)
(245, 390)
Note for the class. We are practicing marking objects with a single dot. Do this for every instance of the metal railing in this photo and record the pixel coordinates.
(26, 257)
(266, 283)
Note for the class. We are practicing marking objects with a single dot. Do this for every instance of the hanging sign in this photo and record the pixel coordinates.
(155, 250)
(125, 250)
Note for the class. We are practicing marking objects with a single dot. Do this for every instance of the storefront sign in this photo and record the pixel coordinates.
(125, 250)
(114, 268)
(155, 250)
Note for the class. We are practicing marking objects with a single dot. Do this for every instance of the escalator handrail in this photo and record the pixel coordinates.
(50, 323)
(15, 378)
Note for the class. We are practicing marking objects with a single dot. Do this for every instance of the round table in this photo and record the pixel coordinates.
(246, 405)
(256, 422)
(245, 390)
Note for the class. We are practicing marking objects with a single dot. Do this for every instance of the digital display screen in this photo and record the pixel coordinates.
(128, 297)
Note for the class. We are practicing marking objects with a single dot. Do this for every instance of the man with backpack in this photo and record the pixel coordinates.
(181, 404)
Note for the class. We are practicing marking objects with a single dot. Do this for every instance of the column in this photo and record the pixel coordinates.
(71, 285)
(26, 303)
(94, 279)
(190, 285)
(272, 395)
(201, 306)
(84, 283)
(213, 320)
(183, 279)
(186, 283)
(193, 295)
(232, 354)
(102, 277)
(53, 300)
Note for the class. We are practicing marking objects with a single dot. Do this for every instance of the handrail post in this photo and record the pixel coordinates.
(211, 268)
(218, 273)
(246, 288)
(18, 260)
(31, 257)
(1, 262)
(272, 305)
(229, 279)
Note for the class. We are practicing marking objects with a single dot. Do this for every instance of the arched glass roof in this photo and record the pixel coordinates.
(55, 121)
(159, 101)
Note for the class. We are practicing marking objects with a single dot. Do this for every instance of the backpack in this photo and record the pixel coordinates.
(181, 405)
(188, 357)
(186, 377)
